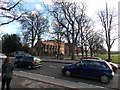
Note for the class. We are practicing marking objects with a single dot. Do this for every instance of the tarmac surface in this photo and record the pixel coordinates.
(24, 81)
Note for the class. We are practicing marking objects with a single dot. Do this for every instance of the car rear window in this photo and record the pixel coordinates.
(27, 59)
(108, 65)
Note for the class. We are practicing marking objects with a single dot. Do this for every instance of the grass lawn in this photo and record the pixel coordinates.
(114, 57)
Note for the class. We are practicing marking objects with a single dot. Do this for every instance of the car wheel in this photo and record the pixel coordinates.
(29, 67)
(104, 79)
(67, 73)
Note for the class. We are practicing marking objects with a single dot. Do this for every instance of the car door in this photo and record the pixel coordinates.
(94, 70)
(27, 61)
(77, 69)
(86, 68)
(81, 68)
(20, 62)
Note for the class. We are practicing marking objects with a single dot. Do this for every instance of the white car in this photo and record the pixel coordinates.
(2, 56)
(114, 66)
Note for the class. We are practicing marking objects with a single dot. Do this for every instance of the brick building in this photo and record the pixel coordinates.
(49, 47)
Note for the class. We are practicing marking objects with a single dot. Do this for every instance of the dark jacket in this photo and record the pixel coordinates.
(7, 70)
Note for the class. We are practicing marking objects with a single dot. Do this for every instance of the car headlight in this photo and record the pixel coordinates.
(62, 67)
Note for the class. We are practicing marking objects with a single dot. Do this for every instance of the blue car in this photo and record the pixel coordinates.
(90, 68)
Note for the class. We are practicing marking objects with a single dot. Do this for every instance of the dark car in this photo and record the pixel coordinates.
(89, 68)
(21, 54)
(28, 62)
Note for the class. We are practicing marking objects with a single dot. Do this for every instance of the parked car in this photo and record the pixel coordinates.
(21, 54)
(89, 68)
(114, 66)
(82, 58)
(2, 56)
(28, 62)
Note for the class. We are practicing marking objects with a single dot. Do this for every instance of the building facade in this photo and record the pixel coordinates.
(49, 47)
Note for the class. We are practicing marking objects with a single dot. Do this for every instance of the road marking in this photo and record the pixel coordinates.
(52, 77)
(0, 84)
(52, 67)
(0, 81)
(40, 75)
(0, 63)
(34, 73)
(117, 75)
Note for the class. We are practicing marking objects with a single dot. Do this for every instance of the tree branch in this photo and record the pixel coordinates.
(9, 9)
(10, 21)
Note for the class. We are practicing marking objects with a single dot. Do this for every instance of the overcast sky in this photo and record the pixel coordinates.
(92, 7)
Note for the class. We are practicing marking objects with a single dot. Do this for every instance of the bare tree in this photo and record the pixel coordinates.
(28, 23)
(41, 27)
(81, 20)
(107, 18)
(95, 42)
(9, 11)
(58, 35)
(72, 18)
(9, 7)
(33, 25)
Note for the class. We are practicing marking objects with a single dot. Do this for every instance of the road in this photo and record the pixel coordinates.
(0, 70)
(54, 70)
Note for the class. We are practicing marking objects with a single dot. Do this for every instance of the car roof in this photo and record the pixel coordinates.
(90, 58)
(98, 60)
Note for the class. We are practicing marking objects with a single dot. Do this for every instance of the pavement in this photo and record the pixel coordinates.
(24, 83)
(25, 80)
(58, 83)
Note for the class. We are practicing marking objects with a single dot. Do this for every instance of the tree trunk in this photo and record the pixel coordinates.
(73, 52)
(70, 50)
(82, 51)
(77, 51)
(86, 51)
(91, 51)
(109, 56)
(58, 53)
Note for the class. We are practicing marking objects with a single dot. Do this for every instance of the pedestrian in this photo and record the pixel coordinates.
(7, 73)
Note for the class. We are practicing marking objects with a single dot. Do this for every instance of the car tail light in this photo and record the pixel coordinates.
(40, 60)
(33, 62)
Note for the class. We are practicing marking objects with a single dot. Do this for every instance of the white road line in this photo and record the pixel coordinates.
(52, 67)
(117, 75)
(34, 73)
(0, 84)
(0, 74)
